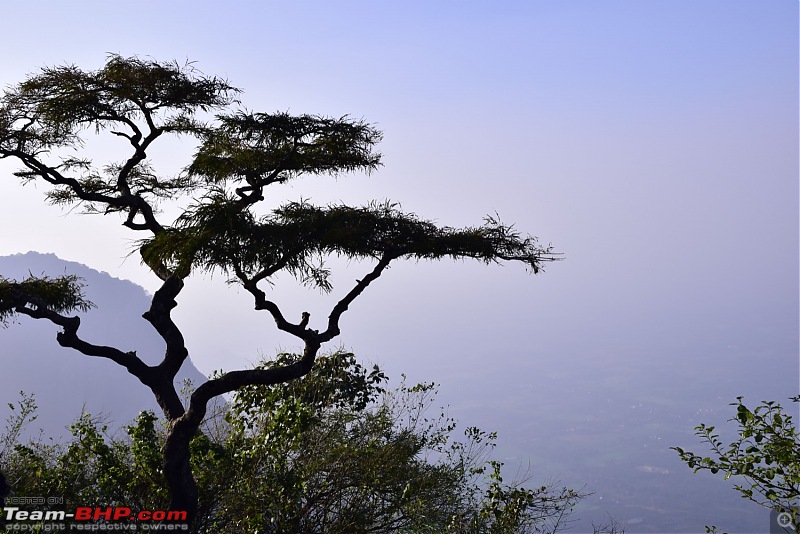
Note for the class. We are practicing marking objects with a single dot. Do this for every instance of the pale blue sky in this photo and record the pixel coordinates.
(654, 143)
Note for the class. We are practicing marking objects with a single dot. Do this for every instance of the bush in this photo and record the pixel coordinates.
(333, 452)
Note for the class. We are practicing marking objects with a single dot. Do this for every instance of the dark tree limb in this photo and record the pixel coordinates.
(342, 306)
(161, 386)
(159, 315)
(52, 298)
(69, 338)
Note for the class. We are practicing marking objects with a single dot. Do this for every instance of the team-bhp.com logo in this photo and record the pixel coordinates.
(97, 518)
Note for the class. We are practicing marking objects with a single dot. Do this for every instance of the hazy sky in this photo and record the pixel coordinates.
(654, 143)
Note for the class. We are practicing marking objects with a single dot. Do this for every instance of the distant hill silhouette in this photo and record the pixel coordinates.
(64, 381)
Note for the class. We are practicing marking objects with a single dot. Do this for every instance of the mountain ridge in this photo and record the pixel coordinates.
(64, 382)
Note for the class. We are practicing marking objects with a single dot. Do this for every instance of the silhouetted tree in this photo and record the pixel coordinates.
(43, 124)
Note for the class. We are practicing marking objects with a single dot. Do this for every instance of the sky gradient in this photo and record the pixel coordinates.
(654, 144)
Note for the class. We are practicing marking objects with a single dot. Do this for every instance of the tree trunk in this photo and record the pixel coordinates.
(178, 467)
(183, 490)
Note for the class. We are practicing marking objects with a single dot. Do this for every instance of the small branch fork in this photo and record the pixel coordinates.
(312, 339)
(134, 203)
